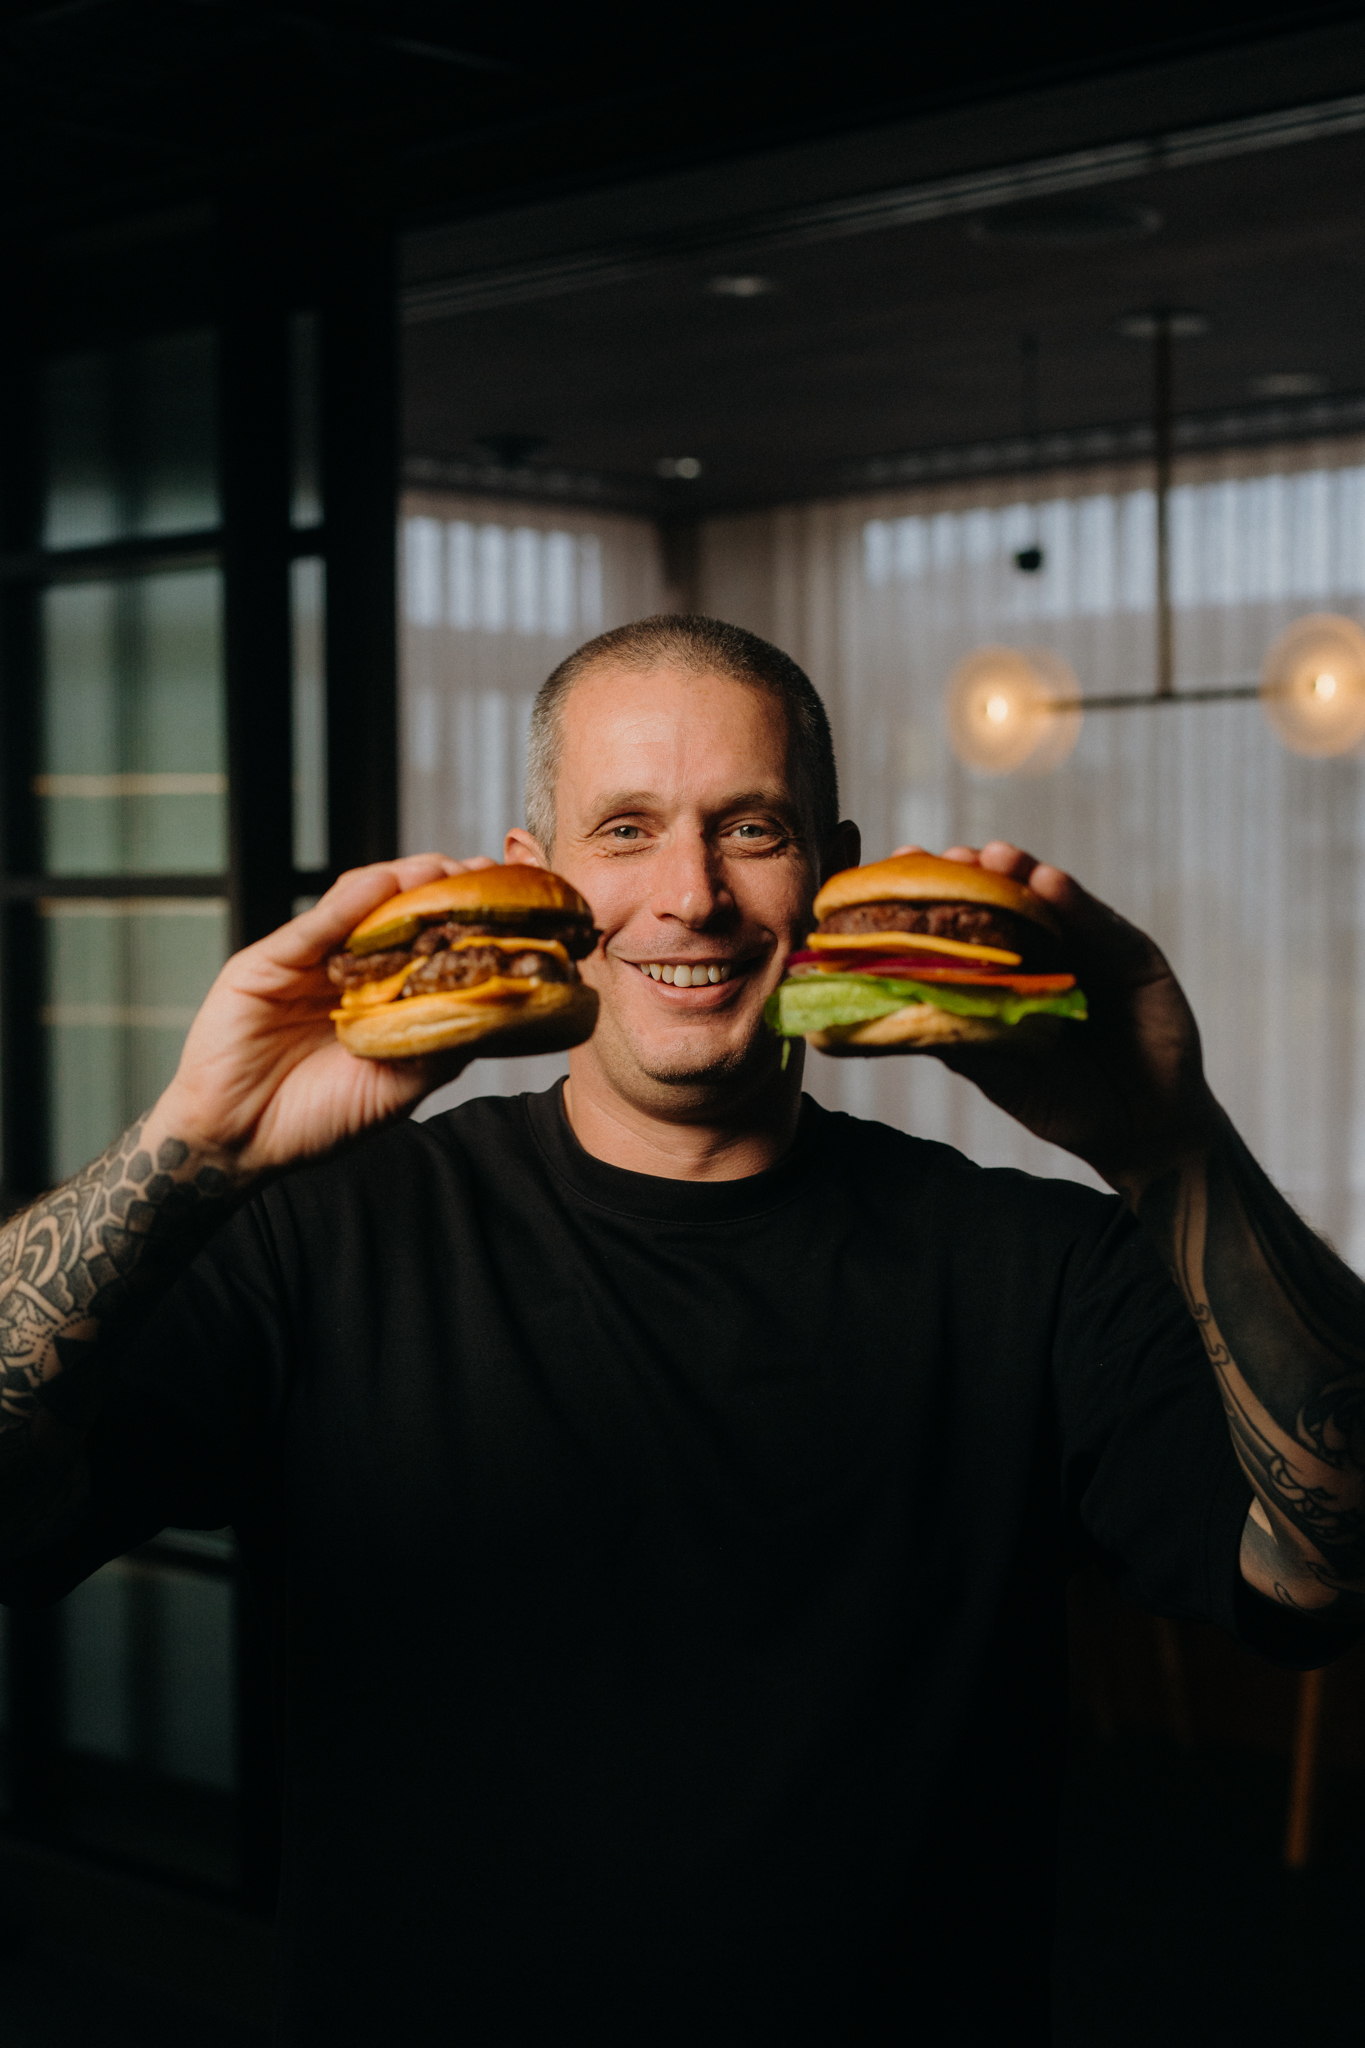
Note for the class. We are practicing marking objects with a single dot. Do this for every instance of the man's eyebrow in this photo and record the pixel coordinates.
(617, 801)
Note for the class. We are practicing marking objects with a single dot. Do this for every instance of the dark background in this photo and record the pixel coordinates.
(510, 226)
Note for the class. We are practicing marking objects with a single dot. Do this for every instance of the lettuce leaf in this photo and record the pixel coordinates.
(821, 1002)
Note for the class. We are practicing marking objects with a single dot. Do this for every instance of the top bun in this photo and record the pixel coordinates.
(498, 895)
(925, 878)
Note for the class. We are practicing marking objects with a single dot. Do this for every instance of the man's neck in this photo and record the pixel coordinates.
(729, 1142)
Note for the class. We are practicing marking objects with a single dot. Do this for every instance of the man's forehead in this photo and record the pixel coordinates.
(635, 739)
(617, 696)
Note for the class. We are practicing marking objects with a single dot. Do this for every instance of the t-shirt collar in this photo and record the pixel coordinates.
(657, 1197)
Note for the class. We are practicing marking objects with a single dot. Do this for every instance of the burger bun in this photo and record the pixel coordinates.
(927, 878)
(921, 1027)
(551, 1017)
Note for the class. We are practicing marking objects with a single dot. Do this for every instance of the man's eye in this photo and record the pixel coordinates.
(625, 831)
(754, 831)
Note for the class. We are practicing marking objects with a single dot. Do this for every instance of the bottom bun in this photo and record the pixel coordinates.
(551, 1018)
(924, 1027)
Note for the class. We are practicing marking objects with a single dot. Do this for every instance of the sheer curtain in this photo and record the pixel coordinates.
(1244, 861)
(494, 595)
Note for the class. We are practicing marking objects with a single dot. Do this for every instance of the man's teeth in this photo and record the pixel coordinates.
(685, 976)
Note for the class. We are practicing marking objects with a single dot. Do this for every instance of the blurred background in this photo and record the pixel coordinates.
(361, 361)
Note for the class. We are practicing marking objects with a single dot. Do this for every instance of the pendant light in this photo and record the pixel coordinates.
(1004, 711)
(1002, 702)
(1009, 712)
(1313, 685)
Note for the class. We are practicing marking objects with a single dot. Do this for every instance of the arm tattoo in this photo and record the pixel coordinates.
(1283, 1323)
(83, 1260)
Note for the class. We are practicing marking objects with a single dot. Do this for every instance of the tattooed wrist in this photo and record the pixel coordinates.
(93, 1253)
(1283, 1323)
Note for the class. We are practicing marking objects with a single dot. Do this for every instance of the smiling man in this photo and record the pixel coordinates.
(663, 1490)
(696, 811)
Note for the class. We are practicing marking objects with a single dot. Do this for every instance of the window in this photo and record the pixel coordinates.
(116, 900)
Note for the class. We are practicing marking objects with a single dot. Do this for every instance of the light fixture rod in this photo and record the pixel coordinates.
(1218, 693)
(1162, 421)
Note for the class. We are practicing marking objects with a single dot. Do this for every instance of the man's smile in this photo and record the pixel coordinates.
(687, 973)
(703, 983)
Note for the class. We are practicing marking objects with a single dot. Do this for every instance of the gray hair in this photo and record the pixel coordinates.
(702, 646)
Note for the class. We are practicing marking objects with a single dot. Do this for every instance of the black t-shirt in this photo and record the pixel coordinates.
(668, 1576)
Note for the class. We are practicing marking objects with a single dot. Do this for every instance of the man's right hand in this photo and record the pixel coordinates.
(262, 1080)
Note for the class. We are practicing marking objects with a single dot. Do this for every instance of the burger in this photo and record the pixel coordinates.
(919, 951)
(488, 955)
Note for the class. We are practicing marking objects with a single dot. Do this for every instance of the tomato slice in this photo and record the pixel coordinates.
(899, 967)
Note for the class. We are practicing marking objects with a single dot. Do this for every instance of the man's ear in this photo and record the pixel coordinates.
(844, 849)
(520, 850)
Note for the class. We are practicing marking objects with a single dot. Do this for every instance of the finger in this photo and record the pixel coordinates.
(1114, 945)
(966, 854)
(1111, 945)
(1003, 858)
(307, 939)
(897, 851)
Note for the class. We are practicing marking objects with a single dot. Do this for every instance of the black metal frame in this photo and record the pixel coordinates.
(264, 275)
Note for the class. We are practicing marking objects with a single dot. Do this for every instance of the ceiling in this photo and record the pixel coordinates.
(905, 339)
(107, 106)
(487, 132)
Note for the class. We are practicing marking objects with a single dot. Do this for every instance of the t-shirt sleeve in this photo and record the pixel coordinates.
(183, 1416)
(1152, 1489)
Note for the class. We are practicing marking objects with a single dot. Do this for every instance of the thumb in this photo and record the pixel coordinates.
(1107, 941)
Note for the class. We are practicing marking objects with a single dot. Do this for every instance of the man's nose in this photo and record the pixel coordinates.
(688, 884)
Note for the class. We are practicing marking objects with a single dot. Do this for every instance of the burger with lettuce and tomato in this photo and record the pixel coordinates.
(923, 952)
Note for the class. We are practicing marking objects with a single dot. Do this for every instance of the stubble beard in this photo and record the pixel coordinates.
(683, 1086)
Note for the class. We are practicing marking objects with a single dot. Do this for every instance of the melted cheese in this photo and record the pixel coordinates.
(499, 988)
(371, 992)
(910, 942)
(510, 946)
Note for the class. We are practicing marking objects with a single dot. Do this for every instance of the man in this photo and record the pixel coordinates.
(664, 1489)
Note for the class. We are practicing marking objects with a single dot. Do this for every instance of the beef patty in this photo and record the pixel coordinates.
(471, 963)
(977, 924)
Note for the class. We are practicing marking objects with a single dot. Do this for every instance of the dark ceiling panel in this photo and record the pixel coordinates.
(108, 104)
(910, 339)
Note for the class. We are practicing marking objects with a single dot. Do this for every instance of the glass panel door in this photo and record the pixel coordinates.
(127, 923)
(131, 777)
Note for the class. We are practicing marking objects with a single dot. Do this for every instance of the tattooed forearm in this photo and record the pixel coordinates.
(1283, 1322)
(80, 1261)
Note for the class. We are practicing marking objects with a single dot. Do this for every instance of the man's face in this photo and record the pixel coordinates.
(677, 822)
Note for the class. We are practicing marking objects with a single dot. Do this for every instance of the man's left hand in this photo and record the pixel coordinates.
(1126, 1091)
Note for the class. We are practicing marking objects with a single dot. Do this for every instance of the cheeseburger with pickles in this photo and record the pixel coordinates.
(919, 951)
(485, 955)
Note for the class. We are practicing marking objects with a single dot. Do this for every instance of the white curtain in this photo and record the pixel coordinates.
(1244, 861)
(494, 595)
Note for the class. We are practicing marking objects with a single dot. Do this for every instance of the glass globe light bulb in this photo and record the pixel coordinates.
(1313, 685)
(998, 708)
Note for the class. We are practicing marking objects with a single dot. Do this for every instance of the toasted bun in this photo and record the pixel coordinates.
(924, 878)
(921, 1025)
(553, 1016)
(498, 894)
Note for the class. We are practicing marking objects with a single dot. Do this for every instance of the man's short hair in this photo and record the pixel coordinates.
(703, 646)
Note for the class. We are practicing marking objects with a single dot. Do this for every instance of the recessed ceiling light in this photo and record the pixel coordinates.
(685, 466)
(1182, 324)
(742, 285)
(509, 450)
(1064, 223)
(1287, 384)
